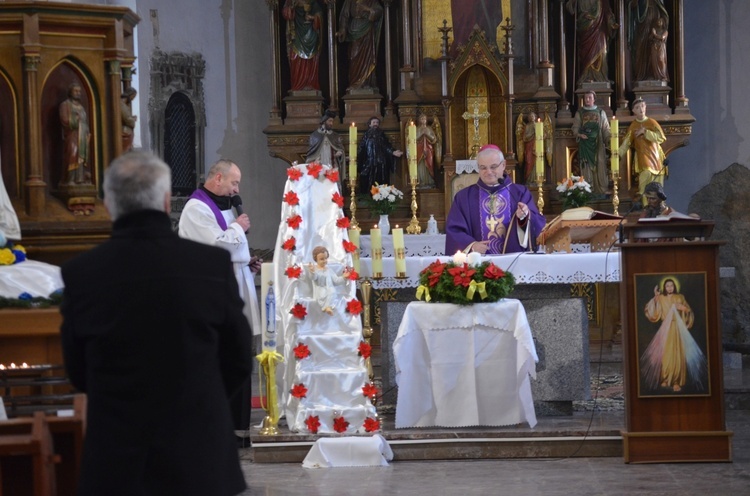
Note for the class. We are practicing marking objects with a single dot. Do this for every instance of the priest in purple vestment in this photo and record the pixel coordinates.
(493, 216)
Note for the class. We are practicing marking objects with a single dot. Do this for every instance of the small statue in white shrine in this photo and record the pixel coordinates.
(324, 279)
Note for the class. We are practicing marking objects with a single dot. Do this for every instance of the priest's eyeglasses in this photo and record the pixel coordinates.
(492, 167)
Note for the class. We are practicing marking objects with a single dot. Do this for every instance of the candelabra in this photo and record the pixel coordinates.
(353, 202)
(615, 198)
(366, 290)
(413, 227)
(540, 193)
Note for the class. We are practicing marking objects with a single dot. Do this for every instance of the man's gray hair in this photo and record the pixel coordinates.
(491, 150)
(221, 166)
(136, 181)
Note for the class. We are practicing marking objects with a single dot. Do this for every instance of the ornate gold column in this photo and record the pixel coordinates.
(681, 103)
(34, 184)
(275, 116)
(115, 89)
(622, 102)
(333, 67)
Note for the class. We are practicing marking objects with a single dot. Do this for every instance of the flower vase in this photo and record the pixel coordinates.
(384, 224)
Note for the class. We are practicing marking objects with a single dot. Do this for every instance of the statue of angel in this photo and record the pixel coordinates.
(429, 150)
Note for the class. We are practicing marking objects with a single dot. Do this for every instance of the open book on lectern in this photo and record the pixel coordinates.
(586, 213)
(671, 216)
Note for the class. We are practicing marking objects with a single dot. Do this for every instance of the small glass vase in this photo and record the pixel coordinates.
(384, 224)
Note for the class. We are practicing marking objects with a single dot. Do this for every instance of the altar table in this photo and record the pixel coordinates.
(459, 366)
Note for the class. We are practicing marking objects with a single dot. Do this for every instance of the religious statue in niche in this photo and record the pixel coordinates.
(526, 143)
(76, 138)
(647, 39)
(325, 280)
(595, 25)
(360, 23)
(304, 20)
(128, 119)
(429, 150)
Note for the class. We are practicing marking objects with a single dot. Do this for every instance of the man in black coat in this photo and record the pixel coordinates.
(153, 332)
(375, 157)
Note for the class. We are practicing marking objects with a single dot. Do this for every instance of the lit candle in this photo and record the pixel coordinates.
(354, 238)
(412, 148)
(614, 144)
(459, 258)
(539, 148)
(352, 151)
(376, 243)
(399, 251)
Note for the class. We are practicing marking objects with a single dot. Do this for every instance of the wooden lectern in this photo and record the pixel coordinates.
(674, 391)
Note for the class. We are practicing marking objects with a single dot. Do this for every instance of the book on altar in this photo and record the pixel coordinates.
(671, 216)
(586, 213)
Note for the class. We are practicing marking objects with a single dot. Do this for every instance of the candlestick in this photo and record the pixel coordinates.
(539, 148)
(614, 145)
(376, 243)
(399, 252)
(414, 227)
(352, 151)
(412, 149)
(615, 197)
(353, 202)
(354, 238)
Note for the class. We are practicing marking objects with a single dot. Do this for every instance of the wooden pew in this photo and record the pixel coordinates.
(67, 437)
(26, 457)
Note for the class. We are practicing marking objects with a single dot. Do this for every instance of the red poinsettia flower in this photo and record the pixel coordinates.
(338, 199)
(313, 169)
(353, 275)
(343, 222)
(371, 424)
(365, 350)
(349, 247)
(301, 351)
(291, 198)
(290, 244)
(293, 173)
(313, 423)
(294, 221)
(340, 424)
(354, 306)
(493, 272)
(433, 279)
(299, 391)
(332, 175)
(293, 272)
(299, 311)
(435, 267)
(462, 275)
(369, 390)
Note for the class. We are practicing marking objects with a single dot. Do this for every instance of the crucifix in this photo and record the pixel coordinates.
(476, 116)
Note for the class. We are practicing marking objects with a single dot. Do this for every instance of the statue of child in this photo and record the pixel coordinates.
(324, 279)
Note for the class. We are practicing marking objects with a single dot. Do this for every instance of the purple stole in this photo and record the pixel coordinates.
(494, 216)
(201, 195)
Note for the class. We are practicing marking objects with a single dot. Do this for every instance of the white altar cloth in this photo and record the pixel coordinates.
(527, 268)
(349, 451)
(29, 276)
(415, 245)
(459, 366)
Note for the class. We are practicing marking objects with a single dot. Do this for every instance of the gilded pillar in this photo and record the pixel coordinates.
(34, 184)
(114, 74)
(333, 66)
(275, 114)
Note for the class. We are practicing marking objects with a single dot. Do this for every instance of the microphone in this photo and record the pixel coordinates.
(620, 228)
(237, 204)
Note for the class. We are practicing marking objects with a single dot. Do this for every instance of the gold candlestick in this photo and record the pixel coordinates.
(615, 198)
(366, 290)
(413, 227)
(540, 194)
(400, 254)
(353, 202)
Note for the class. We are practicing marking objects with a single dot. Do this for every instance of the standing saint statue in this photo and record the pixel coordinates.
(592, 132)
(304, 19)
(647, 39)
(595, 25)
(360, 24)
(429, 151)
(76, 138)
(128, 119)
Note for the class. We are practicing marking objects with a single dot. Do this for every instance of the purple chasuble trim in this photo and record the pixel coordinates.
(201, 195)
(494, 200)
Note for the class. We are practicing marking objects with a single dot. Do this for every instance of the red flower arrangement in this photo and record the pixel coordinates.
(349, 247)
(299, 311)
(340, 424)
(365, 350)
(291, 198)
(293, 272)
(294, 221)
(313, 423)
(301, 351)
(290, 244)
(299, 391)
(338, 199)
(369, 390)
(464, 284)
(313, 169)
(354, 306)
(371, 424)
(342, 222)
(353, 275)
(332, 175)
(293, 173)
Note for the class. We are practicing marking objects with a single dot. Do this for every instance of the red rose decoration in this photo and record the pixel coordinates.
(343, 222)
(294, 221)
(293, 173)
(353, 276)
(313, 423)
(462, 275)
(338, 199)
(332, 175)
(369, 390)
(299, 311)
(291, 198)
(340, 424)
(314, 169)
(301, 351)
(299, 391)
(290, 244)
(493, 272)
(354, 306)
(293, 272)
(365, 350)
(371, 424)
(349, 247)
